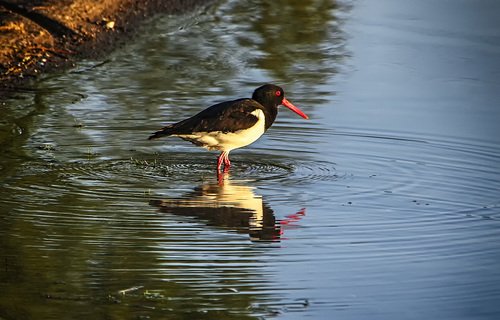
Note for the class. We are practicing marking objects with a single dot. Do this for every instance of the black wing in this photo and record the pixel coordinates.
(229, 116)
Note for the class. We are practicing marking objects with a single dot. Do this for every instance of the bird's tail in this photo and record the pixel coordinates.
(166, 131)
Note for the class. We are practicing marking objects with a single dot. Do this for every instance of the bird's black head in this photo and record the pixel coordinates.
(271, 96)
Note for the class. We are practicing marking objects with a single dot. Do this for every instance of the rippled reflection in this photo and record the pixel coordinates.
(230, 205)
(79, 234)
(225, 49)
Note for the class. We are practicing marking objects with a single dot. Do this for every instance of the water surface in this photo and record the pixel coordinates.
(384, 205)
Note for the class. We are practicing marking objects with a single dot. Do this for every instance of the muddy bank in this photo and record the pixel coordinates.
(40, 36)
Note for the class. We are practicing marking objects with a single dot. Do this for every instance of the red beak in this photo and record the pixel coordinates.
(290, 106)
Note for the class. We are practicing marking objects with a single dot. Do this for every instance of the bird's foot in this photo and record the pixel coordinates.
(221, 177)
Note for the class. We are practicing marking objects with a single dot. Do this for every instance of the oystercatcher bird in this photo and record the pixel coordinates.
(231, 124)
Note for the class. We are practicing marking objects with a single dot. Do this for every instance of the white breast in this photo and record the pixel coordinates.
(228, 141)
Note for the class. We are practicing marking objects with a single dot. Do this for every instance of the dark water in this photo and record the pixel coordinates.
(384, 205)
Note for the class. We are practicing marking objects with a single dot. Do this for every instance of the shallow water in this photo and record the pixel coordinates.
(384, 205)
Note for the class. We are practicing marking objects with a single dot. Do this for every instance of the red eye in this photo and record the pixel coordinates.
(278, 93)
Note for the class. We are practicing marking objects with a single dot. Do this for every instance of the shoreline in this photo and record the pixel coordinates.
(40, 37)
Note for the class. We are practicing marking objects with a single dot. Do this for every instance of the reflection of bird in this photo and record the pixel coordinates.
(232, 124)
(227, 205)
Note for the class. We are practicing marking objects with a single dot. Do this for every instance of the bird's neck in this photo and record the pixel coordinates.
(270, 113)
(269, 107)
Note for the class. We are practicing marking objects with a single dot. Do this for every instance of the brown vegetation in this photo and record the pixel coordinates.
(42, 35)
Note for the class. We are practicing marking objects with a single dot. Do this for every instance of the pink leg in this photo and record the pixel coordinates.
(223, 158)
(220, 158)
(227, 162)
